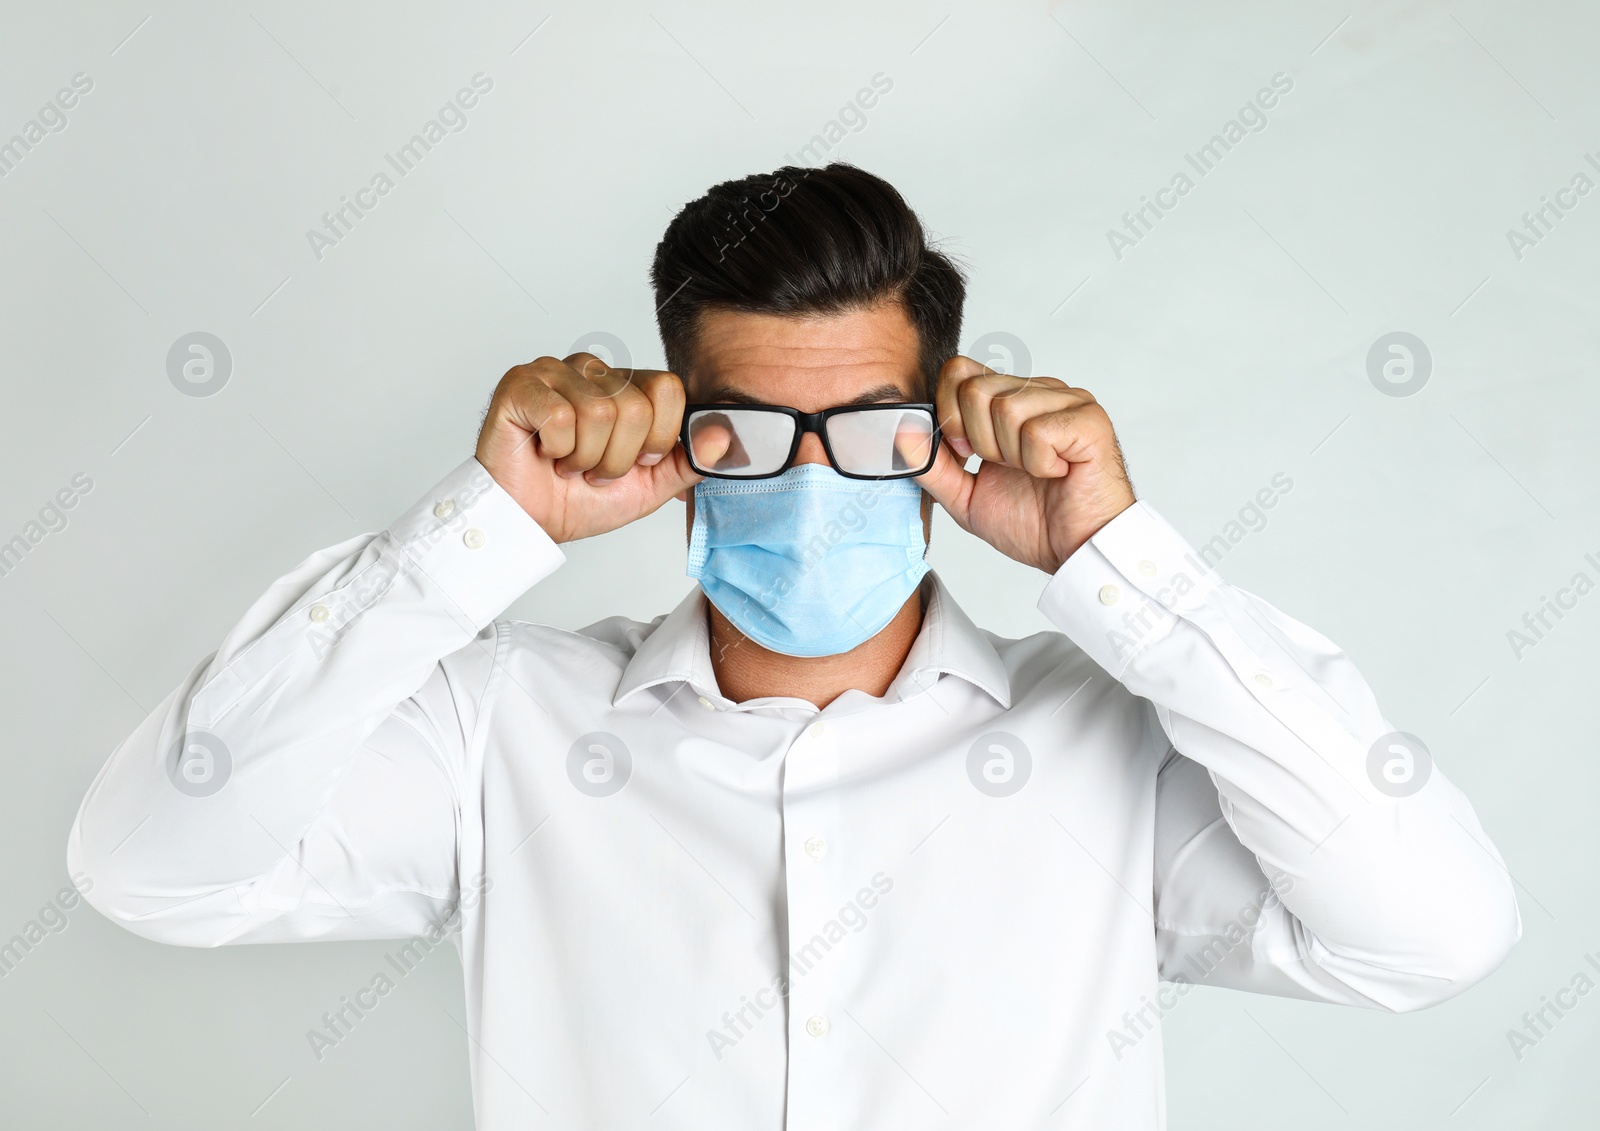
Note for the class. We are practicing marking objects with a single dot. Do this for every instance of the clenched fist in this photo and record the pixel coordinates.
(585, 448)
(1052, 473)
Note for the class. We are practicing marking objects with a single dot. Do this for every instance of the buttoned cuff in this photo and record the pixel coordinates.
(1127, 587)
(475, 543)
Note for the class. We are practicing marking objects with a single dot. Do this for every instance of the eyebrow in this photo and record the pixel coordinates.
(878, 394)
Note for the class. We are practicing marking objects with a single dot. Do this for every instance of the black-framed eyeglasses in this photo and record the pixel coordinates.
(873, 441)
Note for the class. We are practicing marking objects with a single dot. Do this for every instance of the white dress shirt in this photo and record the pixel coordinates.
(964, 904)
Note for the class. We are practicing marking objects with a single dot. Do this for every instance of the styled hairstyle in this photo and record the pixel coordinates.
(801, 241)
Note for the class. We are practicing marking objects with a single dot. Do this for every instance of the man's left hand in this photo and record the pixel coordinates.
(1052, 473)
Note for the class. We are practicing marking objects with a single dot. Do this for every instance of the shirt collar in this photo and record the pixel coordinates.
(679, 651)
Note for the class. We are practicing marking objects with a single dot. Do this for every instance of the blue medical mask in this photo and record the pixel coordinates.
(808, 563)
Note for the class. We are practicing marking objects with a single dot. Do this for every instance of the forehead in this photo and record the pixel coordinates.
(808, 363)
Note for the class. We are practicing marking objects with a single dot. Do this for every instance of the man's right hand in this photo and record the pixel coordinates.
(585, 448)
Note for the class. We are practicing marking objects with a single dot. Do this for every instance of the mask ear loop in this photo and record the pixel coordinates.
(697, 541)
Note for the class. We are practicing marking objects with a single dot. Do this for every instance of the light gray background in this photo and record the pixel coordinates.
(1229, 345)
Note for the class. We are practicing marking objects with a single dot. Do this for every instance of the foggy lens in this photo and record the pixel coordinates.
(739, 441)
(891, 440)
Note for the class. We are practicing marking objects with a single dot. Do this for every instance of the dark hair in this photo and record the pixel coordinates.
(801, 241)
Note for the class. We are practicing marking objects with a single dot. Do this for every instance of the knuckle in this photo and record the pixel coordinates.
(633, 408)
(598, 410)
(516, 378)
(1034, 428)
(1091, 417)
(1014, 412)
(560, 415)
(545, 371)
(665, 388)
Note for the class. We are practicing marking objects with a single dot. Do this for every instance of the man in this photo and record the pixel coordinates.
(812, 850)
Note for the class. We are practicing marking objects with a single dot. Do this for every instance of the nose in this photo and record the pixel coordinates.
(811, 450)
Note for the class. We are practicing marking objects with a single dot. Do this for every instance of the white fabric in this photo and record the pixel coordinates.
(399, 760)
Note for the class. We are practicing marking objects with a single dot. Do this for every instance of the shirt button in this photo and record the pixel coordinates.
(816, 848)
(444, 508)
(1109, 594)
(707, 704)
(817, 1025)
(1264, 679)
(1148, 568)
(816, 730)
(319, 613)
(473, 538)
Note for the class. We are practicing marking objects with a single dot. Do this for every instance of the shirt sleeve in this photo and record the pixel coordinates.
(305, 780)
(1303, 847)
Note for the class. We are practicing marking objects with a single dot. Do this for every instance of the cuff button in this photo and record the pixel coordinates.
(474, 539)
(319, 613)
(444, 508)
(1147, 568)
(1109, 594)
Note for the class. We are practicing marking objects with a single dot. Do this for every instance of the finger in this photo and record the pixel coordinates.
(1041, 440)
(594, 406)
(1078, 433)
(977, 398)
(952, 374)
(913, 441)
(526, 402)
(714, 440)
(628, 430)
(1020, 400)
(665, 393)
(588, 366)
(673, 474)
(950, 483)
